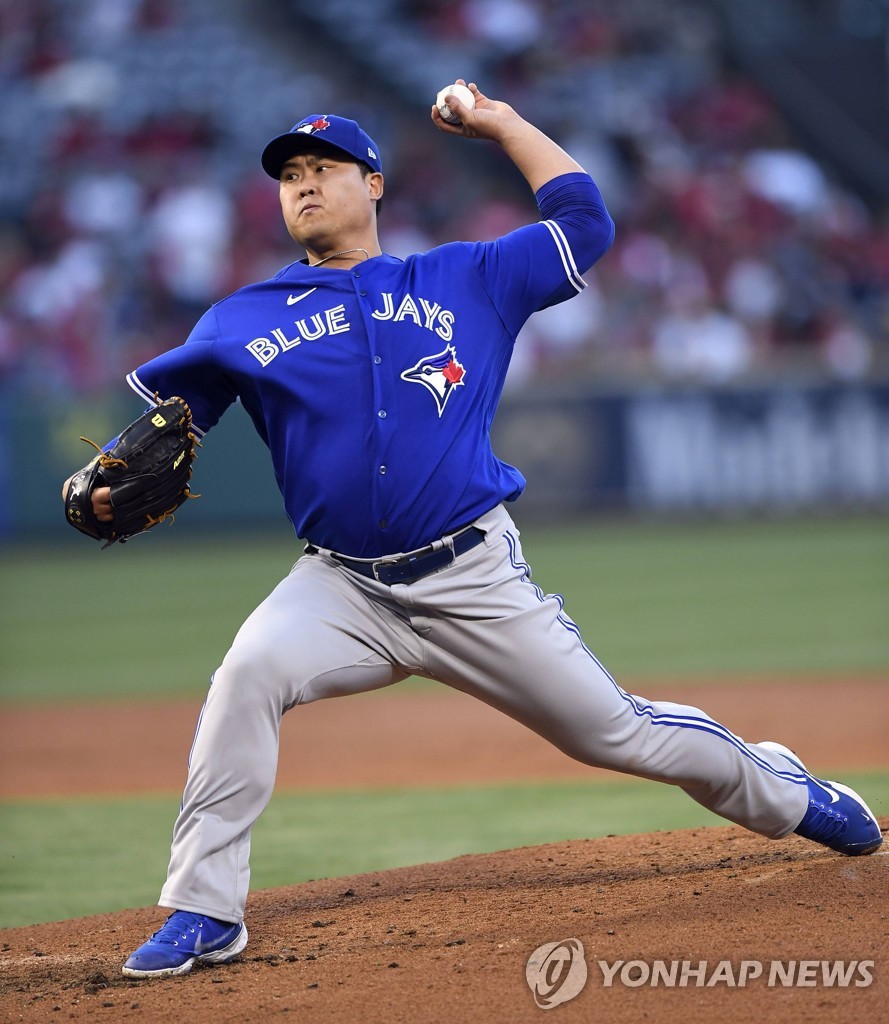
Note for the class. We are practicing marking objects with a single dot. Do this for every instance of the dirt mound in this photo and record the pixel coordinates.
(450, 941)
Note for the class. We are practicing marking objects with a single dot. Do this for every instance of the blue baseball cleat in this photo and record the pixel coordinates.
(184, 938)
(837, 816)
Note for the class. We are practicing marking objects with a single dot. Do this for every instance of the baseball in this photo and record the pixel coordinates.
(462, 93)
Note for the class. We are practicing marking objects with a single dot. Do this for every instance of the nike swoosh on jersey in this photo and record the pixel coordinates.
(291, 299)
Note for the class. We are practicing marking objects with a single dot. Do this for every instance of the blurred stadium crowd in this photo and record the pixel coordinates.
(131, 196)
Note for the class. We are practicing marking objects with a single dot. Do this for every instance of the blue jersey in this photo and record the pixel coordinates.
(375, 387)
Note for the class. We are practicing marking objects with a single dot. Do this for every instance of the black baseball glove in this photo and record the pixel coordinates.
(148, 470)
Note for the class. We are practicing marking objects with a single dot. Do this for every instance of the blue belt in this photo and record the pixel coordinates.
(415, 564)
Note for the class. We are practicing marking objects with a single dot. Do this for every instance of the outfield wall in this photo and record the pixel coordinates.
(728, 450)
(648, 451)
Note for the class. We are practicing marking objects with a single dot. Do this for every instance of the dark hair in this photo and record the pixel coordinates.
(366, 169)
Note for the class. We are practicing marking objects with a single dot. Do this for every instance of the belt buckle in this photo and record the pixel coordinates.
(375, 566)
(435, 556)
(383, 563)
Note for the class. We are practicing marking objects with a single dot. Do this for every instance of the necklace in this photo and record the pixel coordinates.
(345, 252)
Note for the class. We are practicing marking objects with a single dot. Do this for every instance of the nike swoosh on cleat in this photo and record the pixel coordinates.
(291, 299)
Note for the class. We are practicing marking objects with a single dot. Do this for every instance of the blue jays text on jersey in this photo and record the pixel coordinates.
(375, 387)
(333, 321)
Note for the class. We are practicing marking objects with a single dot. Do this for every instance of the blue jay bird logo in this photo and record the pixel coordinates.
(313, 127)
(439, 374)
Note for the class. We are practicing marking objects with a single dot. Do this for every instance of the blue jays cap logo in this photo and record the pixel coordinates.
(440, 374)
(336, 131)
(311, 127)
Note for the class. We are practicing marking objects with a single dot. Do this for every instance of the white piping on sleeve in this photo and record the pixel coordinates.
(140, 388)
(571, 271)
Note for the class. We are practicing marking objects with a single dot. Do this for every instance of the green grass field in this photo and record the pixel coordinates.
(153, 618)
(59, 862)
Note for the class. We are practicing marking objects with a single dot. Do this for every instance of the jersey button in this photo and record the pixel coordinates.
(382, 414)
(382, 470)
(384, 523)
(378, 360)
(362, 292)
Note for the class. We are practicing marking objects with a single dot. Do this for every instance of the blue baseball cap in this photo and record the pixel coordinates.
(339, 132)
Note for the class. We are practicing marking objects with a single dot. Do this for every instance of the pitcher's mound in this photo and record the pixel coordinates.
(450, 942)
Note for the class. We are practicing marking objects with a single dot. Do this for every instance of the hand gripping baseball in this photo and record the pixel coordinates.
(489, 119)
(537, 156)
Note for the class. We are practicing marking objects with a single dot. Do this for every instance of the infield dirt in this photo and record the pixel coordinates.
(449, 941)
(427, 737)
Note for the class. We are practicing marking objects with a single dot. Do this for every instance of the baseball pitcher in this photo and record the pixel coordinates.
(374, 381)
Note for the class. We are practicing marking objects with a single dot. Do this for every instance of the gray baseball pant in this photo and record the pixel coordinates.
(479, 625)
